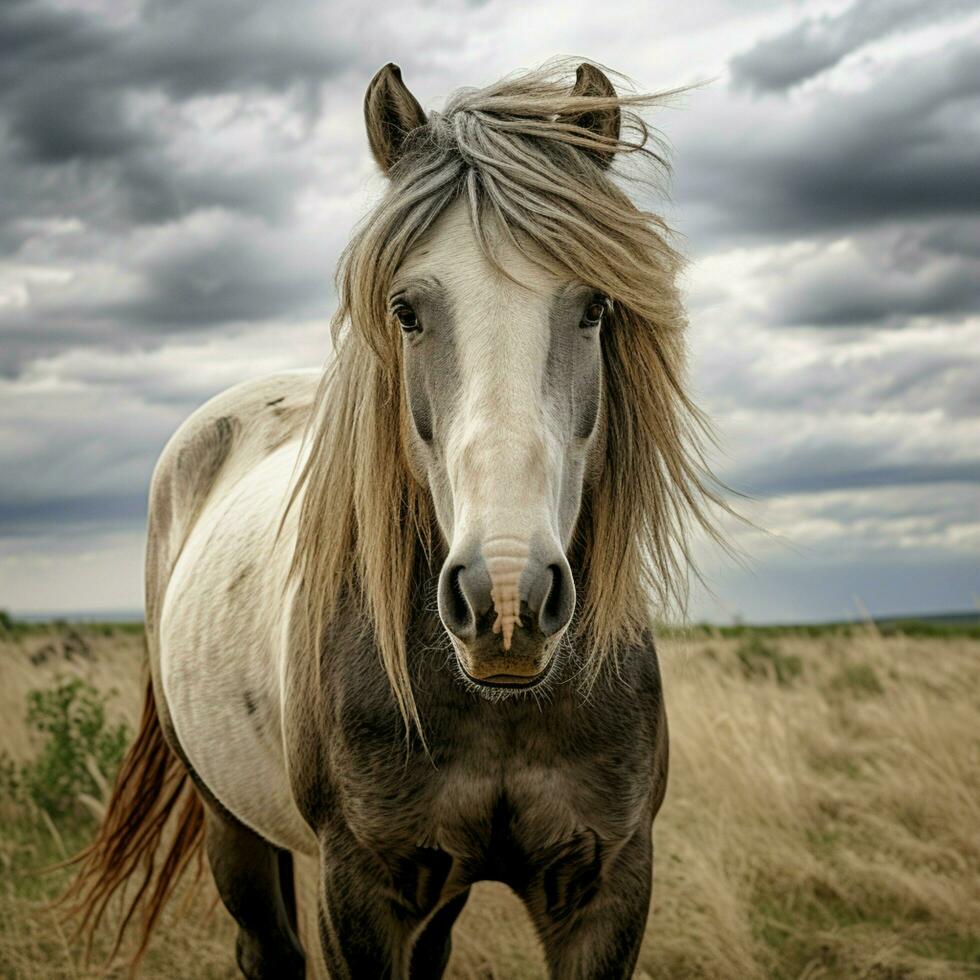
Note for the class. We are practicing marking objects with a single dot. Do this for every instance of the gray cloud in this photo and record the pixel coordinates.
(66, 76)
(901, 148)
(84, 444)
(99, 512)
(841, 466)
(233, 275)
(881, 278)
(177, 144)
(81, 430)
(213, 272)
(930, 371)
(100, 117)
(818, 43)
(109, 123)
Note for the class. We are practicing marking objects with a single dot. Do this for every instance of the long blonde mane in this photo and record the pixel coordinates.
(521, 155)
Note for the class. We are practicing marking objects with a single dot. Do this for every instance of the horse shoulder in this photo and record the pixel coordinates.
(216, 445)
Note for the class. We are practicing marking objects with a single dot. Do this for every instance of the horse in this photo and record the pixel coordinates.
(398, 612)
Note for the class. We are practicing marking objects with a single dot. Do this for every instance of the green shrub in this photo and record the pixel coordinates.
(759, 659)
(77, 736)
(858, 678)
(10, 628)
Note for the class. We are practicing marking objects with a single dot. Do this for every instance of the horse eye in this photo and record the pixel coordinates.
(408, 319)
(594, 313)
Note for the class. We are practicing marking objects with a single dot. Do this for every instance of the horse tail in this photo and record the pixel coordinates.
(152, 790)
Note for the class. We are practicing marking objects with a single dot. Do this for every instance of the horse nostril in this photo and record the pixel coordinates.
(455, 609)
(461, 609)
(559, 603)
(552, 602)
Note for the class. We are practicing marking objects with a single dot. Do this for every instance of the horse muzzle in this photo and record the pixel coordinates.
(506, 604)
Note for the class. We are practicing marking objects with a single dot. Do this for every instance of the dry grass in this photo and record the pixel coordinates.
(823, 820)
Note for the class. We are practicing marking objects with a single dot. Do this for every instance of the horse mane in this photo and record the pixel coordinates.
(521, 155)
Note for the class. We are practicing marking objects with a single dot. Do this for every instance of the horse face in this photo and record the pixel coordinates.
(503, 383)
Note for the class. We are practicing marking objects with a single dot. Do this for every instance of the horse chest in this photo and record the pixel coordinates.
(509, 790)
(496, 799)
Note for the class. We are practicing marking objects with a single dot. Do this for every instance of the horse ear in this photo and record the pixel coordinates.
(391, 112)
(592, 83)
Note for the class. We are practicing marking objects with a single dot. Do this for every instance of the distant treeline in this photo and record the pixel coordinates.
(945, 625)
(11, 627)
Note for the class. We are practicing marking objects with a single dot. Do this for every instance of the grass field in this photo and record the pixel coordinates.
(822, 820)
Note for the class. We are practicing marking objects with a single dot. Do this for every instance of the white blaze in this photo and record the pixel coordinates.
(501, 468)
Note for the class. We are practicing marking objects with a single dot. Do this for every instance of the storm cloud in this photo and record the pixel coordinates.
(94, 100)
(178, 178)
(818, 43)
(903, 147)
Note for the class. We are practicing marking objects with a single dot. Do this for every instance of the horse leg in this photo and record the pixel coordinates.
(287, 888)
(430, 955)
(591, 909)
(387, 922)
(249, 874)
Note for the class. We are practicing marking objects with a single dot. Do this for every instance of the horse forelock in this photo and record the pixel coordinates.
(533, 176)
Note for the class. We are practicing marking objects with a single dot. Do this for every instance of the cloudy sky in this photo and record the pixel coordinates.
(177, 178)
